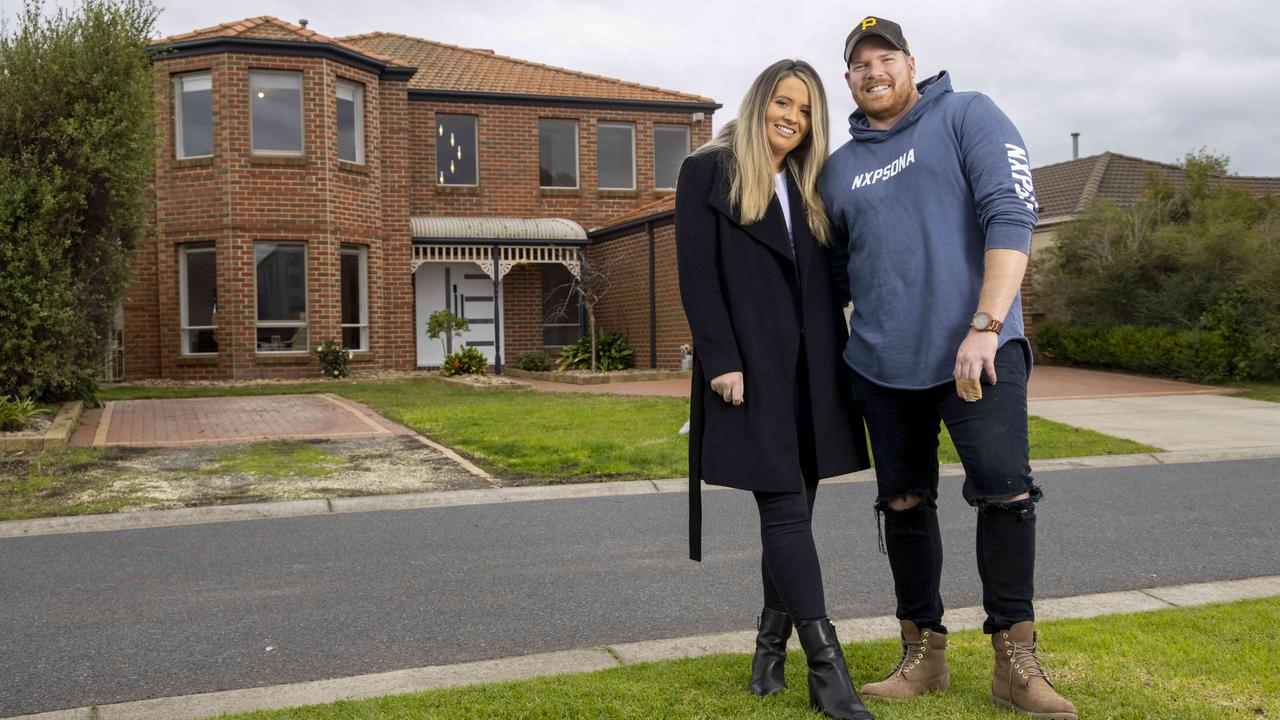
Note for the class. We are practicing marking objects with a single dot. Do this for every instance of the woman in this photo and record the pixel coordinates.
(770, 408)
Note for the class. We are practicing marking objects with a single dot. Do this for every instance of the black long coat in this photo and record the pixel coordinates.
(750, 305)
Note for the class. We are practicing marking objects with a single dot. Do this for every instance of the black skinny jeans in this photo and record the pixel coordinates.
(991, 438)
(789, 568)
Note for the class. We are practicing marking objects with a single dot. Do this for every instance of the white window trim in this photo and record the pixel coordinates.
(361, 252)
(177, 113)
(183, 252)
(475, 120)
(359, 118)
(687, 140)
(577, 156)
(302, 118)
(306, 294)
(632, 128)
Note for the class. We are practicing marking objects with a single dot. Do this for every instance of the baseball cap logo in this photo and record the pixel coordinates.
(868, 22)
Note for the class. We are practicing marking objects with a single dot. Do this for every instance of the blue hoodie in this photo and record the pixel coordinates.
(913, 209)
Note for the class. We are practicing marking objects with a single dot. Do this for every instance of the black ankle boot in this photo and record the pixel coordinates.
(830, 689)
(767, 674)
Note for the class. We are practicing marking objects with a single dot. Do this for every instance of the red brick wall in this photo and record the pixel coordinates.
(626, 308)
(235, 198)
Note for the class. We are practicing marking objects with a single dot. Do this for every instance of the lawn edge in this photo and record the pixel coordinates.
(595, 658)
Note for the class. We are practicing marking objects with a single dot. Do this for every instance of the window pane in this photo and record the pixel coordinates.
(350, 289)
(282, 339)
(282, 283)
(352, 338)
(202, 341)
(350, 119)
(561, 311)
(617, 159)
(455, 149)
(195, 115)
(202, 288)
(670, 146)
(557, 153)
(276, 106)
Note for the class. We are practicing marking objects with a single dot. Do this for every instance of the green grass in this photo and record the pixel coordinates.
(277, 458)
(1259, 391)
(1207, 663)
(574, 436)
(60, 482)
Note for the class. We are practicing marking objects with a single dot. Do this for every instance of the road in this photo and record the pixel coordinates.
(116, 616)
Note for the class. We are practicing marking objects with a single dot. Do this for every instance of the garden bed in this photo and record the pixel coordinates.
(586, 377)
(44, 431)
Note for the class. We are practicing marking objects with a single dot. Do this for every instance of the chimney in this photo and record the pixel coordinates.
(303, 23)
(1075, 146)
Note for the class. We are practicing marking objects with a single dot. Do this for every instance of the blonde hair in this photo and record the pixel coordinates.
(751, 172)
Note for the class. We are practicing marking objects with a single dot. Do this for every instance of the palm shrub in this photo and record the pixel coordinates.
(15, 413)
(612, 353)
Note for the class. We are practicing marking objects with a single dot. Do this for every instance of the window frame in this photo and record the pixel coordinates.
(359, 119)
(178, 80)
(577, 154)
(183, 307)
(302, 117)
(306, 295)
(617, 124)
(362, 252)
(688, 140)
(475, 122)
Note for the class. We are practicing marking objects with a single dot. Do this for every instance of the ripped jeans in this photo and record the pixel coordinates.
(991, 438)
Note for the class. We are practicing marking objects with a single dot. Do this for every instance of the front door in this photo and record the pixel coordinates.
(468, 292)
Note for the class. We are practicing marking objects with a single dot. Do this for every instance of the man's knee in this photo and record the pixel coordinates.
(905, 502)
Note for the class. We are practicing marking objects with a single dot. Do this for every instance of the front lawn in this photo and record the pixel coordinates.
(521, 433)
(1206, 663)
(1259, 391)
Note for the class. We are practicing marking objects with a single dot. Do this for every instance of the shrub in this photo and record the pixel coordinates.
(333, 359)
(1200, 355)
(76, 152)
(533, 361)
(443, 325)
(612, 353)
(15, 413)
(467, 361)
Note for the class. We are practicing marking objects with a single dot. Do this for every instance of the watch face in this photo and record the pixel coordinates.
(981, 321)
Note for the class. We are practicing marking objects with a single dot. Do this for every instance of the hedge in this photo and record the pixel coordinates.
(1191, 354)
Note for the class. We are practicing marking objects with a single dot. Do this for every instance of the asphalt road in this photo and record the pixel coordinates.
(111, 617)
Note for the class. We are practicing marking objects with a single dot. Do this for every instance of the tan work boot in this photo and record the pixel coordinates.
(1019, 682)
(922, 669)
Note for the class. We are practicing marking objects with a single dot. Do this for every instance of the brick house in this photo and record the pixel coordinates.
(309, 187)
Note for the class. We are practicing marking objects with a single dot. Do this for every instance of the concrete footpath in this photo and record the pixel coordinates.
(604, 657)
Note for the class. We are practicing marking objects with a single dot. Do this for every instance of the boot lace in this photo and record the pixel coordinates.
(912, 654)
(1024, 663)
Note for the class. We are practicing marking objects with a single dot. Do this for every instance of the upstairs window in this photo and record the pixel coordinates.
(350, 121)
(193, 115)
(557, 153)
(616, 148)
(456, 150)
(275, 104)
(670, 147)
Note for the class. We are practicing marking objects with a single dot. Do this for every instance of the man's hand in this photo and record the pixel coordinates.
(977, 353)
(729, 386)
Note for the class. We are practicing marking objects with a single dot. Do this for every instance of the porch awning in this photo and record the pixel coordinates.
(550, 230)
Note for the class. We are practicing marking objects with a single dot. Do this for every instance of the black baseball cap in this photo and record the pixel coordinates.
(870, 25)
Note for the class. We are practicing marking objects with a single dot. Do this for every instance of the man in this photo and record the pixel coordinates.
(932, 208)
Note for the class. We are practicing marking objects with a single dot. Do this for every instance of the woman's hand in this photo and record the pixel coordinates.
(729, 386)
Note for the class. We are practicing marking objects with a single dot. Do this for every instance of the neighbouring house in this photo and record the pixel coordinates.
(309, 187)
(1066, 189)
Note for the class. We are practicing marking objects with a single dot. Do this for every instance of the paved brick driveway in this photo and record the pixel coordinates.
(200, 421)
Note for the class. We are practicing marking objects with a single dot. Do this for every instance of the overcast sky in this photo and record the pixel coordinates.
(1154, 80)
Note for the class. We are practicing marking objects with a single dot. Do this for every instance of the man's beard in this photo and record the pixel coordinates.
(890, 105)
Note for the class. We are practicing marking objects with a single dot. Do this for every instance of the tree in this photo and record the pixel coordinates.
(443, 325)
(588, 288)
(76, 154)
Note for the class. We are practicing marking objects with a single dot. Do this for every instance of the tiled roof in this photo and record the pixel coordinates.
(449, 67)
(1066, 188)
(270, 28)
(644, 212)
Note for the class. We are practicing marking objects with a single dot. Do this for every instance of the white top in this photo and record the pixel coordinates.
(784, 199)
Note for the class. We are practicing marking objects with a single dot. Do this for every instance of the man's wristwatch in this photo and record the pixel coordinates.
(983, 322)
